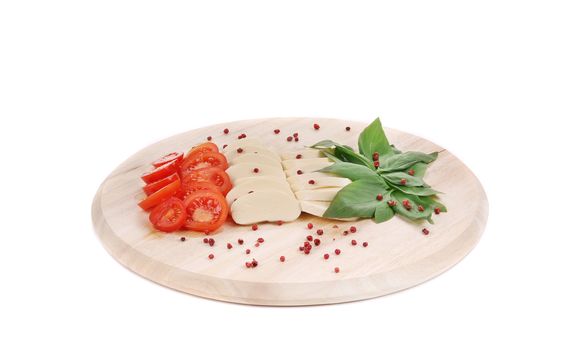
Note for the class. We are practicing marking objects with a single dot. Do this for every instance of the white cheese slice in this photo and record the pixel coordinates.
(251, 149)
(255, 158)
(318, 209)
(248, 170)
(263, 206)
(241, 180)
(265, 184)
(306, 164)
(306, 177)
(242, 143)
(304, 153)
(320, 194)
(319, 182)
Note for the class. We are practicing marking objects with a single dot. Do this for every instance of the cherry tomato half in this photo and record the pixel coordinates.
(161, 172)
(203, 160)
(174, 156)
(188, 187)
(169, 215)
(206, 211)
(157, 185)
(160, 195)
(214, 175)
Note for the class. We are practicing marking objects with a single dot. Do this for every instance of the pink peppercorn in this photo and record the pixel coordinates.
(229, 245)
(282, 258)
(211, 256)
(309, 226)
(353, 242)
(326, 256)
(336, 270)
(365, 244)
(425, 231)
(337, 251)
(317, 241)
(276, 131)
(247, 251)
(316, 126)
(320, 232)
(254, 227)
(309, 238)
(437, 211)
(353, 229)
(240, 241)
(289, 138)
(226, 131)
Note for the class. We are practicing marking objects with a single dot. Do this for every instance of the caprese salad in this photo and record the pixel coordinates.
(251, 183)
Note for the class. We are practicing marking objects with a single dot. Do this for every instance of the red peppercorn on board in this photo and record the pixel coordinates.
(271, 263)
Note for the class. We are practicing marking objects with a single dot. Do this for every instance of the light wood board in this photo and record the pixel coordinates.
(398, 256)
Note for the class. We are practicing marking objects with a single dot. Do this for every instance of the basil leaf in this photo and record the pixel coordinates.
(357, 199)
(419, 169)
(413, 213)
(418, 191)
(325, 144)
(347, 154)
(383, 212)
(353, 172)
(405, 160)
(396, 177)
(373, 139)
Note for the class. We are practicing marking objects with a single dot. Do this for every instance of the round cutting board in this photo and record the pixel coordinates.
(398, 255)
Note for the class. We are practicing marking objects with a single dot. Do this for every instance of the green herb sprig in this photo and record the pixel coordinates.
(396, 186)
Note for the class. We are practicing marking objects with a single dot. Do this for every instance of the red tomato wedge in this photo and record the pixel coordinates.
(203, 147)
(157, 185)
(188, 187)
(169, 215)
(213, 175)
(160, 195)
(206, 211)
(203, 160)
(174, 156)
(161, 172)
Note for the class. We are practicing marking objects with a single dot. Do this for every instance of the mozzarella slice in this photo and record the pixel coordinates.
(319, 182)
(266, 184)
(247, 142)
(318, 209)
(306, 177)
(241, 180)
(255, 158)
(306, 164)
(320, 194)
(265, 206)
(247, 170)
(305, 154)
(251, 149)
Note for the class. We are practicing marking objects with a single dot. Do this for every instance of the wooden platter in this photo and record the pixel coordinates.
(398, 255)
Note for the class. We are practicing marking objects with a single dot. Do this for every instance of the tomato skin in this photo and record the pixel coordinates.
(157, 185)
(203, 160)
(188, 187)
(160, 173)
(160, 195)
(214, 175)
(203, 147)
(169, 215)
(206, 211)
(174, 156)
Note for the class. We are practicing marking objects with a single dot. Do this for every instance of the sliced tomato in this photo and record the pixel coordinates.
(157, 185)
(213, 175)
(161, 172)
(206, 211)
(203, 147)
(188, 187)
(160, 195)
(169, 215)
(174, 156)
(203, 160)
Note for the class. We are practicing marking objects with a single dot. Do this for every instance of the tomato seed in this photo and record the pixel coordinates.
(309, 226)
(211, 256)
(425, 231)
(226, 131)
(320, 232)
(337, 251)
(282, 258)
(254, 227)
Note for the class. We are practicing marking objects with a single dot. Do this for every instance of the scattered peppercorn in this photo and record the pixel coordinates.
(182, 239)
(392, 203)
(226, 131)
(299, 172)
(276, 131)
(254, 227)
(260, 240)
(247, 251)
(437, 211)
(320, 232)
(311, 182)
(296, 134)
(296, 139)
(336, 270)
(289, 138)
(209, 138)
(365, 244)
(403, 181)
(309, 226)
(347, 128)
(205, 240)
(421, 208)
(211, 242)
(240, 241)
(239, 150)
(375, 156)
(376, 164)
(353, 242)
(211, 256)
(411, 172)
(309, 238)
(425, 231)
(337, 251)
(326, 256)
(254, 263)
(256, 170)
(229, 245)
(379, 197)
(299, 156)
(256, 244)
(282, 258)
(247, 264)
(316, 126)
(317, 242)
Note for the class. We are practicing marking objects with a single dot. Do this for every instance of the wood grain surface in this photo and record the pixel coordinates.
(398, 255)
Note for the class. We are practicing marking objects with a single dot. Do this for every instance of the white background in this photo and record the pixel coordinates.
(84, 84)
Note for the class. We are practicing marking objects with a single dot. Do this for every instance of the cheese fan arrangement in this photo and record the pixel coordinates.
(290, 211)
